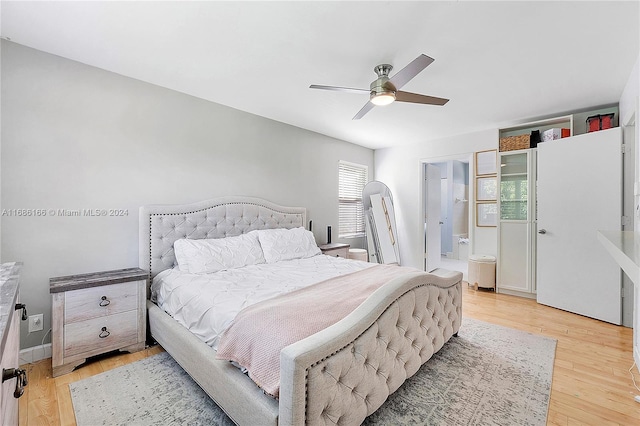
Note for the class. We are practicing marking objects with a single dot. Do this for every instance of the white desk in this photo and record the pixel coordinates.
(624, 247)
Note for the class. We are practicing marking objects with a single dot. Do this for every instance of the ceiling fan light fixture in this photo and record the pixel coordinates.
(383, 98)
(385, 90)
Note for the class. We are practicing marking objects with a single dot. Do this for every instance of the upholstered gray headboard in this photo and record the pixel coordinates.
(162, 225)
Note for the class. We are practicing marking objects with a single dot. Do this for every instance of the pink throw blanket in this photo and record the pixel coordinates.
(259, 332)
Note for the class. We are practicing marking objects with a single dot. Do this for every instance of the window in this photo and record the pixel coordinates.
(351, 180)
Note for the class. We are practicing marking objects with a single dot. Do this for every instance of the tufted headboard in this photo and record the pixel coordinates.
(162, 225)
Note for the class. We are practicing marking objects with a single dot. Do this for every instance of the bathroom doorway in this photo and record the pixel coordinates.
(454, 217)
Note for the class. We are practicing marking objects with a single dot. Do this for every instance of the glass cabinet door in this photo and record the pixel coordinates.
(513, 187)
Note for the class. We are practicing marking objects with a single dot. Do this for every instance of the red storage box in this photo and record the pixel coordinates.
(599, 122)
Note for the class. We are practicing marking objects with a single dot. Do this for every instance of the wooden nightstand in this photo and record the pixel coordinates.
(97, 313)
(335, 249)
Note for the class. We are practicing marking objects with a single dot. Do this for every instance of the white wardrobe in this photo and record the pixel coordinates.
(554, 199)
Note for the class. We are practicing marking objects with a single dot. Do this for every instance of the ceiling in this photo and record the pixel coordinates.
(498, 62)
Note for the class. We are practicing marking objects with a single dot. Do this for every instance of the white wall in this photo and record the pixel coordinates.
(400, 168)
(0, 131)
(76, 137)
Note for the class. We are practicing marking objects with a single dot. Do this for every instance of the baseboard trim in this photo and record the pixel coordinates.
(35, 353)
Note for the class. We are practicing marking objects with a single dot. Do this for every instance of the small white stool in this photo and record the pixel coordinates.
(358, 254)
(482, 271)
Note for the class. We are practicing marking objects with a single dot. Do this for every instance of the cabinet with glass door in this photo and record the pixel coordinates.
(516, 222)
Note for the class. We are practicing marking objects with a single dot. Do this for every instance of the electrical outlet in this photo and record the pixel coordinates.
(35, 323)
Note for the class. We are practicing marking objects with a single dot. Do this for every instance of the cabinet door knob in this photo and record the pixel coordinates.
(542, 231)
(104, 301)
(104, 333)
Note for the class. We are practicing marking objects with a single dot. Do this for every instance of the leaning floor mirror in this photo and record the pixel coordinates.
(380, 223)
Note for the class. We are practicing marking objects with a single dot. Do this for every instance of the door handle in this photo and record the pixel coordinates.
(542, 231)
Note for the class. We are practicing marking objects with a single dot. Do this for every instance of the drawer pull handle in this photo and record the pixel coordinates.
(104, 301)
(24, 311)
(104, 333)
(21, 379)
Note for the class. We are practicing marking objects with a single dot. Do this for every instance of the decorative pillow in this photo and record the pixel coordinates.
(205, 256)
(287, 244)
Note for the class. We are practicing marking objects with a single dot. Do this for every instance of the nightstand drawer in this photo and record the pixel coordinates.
(338, 252)
(335, 249)
(100, 301)
(101, 334)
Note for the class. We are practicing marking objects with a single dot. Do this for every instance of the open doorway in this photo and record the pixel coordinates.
(447, 212)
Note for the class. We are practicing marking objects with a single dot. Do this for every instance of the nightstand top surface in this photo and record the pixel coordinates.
(95, 279)
(333, 246)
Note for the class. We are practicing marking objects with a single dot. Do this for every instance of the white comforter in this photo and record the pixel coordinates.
(207, 303)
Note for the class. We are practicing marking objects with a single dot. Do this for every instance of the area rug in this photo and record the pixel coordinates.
(488, 375)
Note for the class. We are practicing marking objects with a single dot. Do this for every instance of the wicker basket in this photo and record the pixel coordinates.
(511, 143)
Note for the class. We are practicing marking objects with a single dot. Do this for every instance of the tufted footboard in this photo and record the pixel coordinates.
(345, 372)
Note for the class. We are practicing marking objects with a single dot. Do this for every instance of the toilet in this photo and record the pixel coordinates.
(460, 244)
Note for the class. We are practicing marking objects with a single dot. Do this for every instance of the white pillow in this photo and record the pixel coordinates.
(205, 256)
(287, 244)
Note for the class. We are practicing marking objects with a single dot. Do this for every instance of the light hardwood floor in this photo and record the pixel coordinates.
(591, 380)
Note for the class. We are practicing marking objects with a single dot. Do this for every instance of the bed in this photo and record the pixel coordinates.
(338, 375)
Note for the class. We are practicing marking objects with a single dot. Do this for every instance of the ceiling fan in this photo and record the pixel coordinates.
(385, 90)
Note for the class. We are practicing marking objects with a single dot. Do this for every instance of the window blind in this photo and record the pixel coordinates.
(351, 180)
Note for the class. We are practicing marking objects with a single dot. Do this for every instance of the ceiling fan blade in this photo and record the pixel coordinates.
(419, 99)
(403, 76)
(339, 89)
(365, 109)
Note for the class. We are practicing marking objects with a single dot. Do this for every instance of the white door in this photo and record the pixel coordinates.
(432, 217)
(579, 192)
